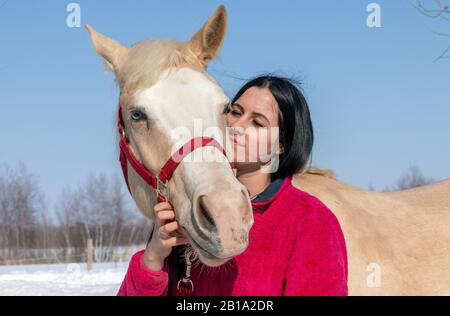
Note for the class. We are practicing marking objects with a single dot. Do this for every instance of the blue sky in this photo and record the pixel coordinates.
(378, 101)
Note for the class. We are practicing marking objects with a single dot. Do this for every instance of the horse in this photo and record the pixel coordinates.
(398, 243)
(164, 86)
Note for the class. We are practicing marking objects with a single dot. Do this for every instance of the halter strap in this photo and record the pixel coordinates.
(160, 182)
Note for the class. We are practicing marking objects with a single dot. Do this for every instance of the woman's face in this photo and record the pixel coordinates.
(253, 128)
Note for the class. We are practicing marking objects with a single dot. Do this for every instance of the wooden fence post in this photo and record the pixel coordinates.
(89, 254)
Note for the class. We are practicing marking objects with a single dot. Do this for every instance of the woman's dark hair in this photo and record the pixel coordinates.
(295, 126)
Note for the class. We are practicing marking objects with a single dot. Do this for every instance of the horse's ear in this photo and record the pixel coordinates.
(110, 50)
(205, 44)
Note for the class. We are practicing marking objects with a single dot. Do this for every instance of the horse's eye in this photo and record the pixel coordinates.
(138, 116)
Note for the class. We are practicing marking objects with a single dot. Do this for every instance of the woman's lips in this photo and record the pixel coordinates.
(235, 141)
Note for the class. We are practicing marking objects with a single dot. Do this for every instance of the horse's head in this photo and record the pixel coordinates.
(164, 89)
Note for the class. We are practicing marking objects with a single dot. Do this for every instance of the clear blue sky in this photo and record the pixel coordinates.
(378, 101)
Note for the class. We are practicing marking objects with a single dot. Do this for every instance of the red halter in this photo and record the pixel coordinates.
(160, 182)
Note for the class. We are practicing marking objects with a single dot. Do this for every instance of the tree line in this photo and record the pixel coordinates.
(98, 209)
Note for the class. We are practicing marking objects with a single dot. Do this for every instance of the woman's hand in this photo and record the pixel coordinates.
(166, 235)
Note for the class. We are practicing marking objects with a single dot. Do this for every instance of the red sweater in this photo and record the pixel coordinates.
(296, 247)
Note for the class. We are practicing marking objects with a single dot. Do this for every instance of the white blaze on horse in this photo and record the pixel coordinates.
(398, 243)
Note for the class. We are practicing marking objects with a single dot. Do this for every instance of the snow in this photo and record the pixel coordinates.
(62, 279)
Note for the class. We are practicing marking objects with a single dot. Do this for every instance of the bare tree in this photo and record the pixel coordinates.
(98, 209)
(412, 178)
(67, 214)
(21, 204)
(436, 9)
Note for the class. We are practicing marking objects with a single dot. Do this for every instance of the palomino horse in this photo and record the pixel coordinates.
(164, 87)
(398, 243)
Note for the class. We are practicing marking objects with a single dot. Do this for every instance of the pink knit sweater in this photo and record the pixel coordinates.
(296, 247)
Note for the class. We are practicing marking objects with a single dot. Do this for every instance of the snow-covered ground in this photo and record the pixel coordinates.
(62, 279)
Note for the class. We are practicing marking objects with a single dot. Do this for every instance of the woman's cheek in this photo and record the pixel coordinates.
(253, 145)
(268, 144)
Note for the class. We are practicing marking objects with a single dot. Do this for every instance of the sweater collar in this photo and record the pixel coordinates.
(263, 200)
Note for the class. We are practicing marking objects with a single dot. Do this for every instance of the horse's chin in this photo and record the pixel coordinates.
(205, 257)
(208, 259)
(211, 261)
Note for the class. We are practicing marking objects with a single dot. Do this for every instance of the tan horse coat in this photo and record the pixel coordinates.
(398, 242)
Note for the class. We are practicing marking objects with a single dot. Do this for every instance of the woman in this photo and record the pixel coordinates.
(296, 245)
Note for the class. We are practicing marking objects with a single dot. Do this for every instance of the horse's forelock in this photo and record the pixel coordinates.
(147, 60)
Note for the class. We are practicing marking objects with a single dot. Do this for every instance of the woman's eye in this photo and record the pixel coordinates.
(138, 116)
(235, 113)
(258, 124)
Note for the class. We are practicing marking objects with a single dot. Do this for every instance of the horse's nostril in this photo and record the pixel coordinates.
(204, 214)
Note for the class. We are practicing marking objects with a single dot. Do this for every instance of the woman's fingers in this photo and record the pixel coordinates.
(174, 241)
(163, 206)
(165, 231)
(169, 230)
(170, 227)
(165, 215)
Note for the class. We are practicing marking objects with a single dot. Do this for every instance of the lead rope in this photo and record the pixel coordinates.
(185, 286)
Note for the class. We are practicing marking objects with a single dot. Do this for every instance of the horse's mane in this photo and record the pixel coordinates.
(327, 173)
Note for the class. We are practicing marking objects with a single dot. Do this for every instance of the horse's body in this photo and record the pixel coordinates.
(402, 238)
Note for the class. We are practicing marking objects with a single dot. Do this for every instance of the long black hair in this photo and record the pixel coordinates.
(296, 134)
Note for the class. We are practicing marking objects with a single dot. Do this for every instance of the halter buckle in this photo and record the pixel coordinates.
(162, 188)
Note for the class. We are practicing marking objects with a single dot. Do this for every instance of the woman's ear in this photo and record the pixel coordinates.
(280, 150)
(205, 44)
